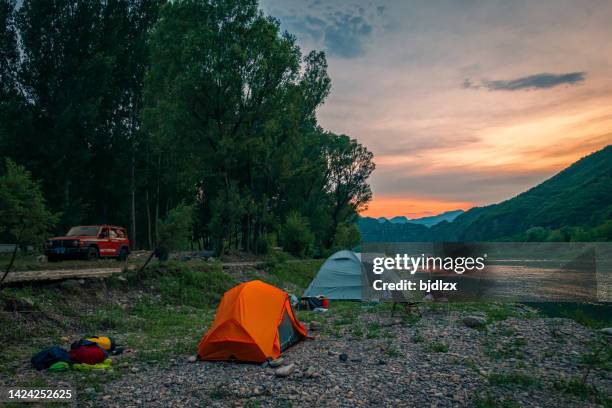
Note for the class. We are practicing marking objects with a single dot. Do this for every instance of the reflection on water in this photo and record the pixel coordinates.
(521, 272)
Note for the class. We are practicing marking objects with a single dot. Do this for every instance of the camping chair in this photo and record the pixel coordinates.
(405, 298)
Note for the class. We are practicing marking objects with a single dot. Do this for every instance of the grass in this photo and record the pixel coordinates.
(514, 379)
(489, 401)
(164, 312)
(437, 347)
(299, 274)
(498, 349)
(583, 391)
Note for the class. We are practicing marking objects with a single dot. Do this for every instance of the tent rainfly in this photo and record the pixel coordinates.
(340, 277)
(254, 322)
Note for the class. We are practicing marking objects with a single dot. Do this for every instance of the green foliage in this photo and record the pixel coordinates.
(125, 109)
(24, 217)
(175, 229)
(231, 102)
(297, 237)
(347, 236)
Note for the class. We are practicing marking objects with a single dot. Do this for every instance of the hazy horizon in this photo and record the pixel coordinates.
(463, 104)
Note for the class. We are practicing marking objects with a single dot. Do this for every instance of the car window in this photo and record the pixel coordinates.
(120, 233)
(113, 233)
(104, 233)
(82, 231)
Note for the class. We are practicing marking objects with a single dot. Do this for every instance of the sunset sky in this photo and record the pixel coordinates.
(463, 103)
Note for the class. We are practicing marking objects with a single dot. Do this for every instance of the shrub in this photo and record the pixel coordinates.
(296, 235)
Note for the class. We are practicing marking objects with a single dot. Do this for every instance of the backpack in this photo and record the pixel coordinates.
(48, 356)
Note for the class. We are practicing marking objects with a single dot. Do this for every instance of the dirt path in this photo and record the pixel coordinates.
(59, 274)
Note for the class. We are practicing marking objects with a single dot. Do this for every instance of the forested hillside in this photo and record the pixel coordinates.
(574, 205)
(131, 112)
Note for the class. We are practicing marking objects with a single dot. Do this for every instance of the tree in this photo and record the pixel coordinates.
(24, 217)
(349, 164)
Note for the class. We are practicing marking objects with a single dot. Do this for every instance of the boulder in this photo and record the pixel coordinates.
(474, 321)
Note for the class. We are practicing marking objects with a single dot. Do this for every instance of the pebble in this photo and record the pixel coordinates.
(192, 359)
(285, 371)
(410, 377)
(310, 372)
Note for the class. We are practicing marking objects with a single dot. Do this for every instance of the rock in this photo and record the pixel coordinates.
(606, 331)
(134, 369)
(277, 363)
(285, 371)
(122, 278)
(331, 353)
(106, 397)
(343, 357)
(314, 325)
(65, 339)
(356, 359)
(382, 362)
(474, 321)
(310, 372)
(428, 298)
(192, 359)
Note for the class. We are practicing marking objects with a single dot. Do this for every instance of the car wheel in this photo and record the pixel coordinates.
(123, 254)
(92, 254)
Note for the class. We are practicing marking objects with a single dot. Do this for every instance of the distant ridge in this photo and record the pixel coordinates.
(573, 205)
(426, 221)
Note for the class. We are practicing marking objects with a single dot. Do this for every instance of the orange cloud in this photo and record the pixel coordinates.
(411, 207)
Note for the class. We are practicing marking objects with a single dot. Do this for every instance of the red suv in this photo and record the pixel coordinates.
(89, 242)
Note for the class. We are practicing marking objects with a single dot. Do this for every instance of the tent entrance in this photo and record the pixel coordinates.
(287, 335)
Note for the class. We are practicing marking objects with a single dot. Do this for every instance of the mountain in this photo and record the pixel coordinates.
(575, 204)
(448, 216)
(399, 220)
(401, 228)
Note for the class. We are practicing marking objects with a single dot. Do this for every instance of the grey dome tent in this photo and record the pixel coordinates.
(340, 277)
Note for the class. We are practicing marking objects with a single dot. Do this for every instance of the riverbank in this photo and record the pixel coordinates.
(360, 355)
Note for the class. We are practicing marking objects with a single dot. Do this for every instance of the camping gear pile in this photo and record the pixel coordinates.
(316, 304)
(90, 353)
(254, 322)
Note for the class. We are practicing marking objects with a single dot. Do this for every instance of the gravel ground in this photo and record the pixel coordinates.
(392, 363)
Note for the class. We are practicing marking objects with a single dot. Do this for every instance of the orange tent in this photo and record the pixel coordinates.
(254, 322)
